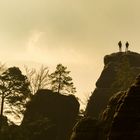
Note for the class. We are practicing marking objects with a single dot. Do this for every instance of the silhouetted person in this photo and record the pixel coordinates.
(120, 46)
(127, 45)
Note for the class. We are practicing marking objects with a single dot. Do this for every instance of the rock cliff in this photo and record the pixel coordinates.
(120, 70)
(106, 118)
(126, 121)
(86, 129)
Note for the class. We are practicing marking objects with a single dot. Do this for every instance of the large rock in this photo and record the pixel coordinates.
(60, 110)
(106, 118)
(87, 129)
(126, 122)
(119, 72)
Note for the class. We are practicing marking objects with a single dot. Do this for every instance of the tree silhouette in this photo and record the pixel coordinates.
(38, 79)
(61, 81)
(14, 89)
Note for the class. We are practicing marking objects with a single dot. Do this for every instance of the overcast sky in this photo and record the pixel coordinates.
(76, 33)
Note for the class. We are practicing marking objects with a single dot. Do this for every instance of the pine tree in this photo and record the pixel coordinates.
(14, 90)
(61, 82)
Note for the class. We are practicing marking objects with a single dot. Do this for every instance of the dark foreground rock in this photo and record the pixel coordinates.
(87, 129)
(126, 122)
(106, 118)
(51, 115)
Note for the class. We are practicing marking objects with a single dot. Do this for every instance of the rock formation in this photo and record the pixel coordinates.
(86, 129)
(126, 122)
(118, 74)
(60, 110)
(106, 118)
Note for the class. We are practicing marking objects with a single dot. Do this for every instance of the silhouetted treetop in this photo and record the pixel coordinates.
(60, 80)
(14, 90)
(39, 79)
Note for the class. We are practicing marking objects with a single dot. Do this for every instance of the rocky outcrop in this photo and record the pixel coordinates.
(106, 118)
(118, 74)
(60, 110)
(87, 129)
(126, 122)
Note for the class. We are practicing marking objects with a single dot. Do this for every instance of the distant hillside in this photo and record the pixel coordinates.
(120, 70)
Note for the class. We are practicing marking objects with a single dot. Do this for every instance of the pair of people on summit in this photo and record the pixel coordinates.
(120, 46)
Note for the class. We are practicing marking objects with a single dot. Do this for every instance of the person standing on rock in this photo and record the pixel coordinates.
(120, 46)
(127, 45)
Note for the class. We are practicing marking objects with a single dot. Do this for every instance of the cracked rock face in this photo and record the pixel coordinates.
(86, 129)
(107, 116)
(126, 123)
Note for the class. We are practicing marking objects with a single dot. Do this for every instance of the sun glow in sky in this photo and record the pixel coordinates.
(76, 33)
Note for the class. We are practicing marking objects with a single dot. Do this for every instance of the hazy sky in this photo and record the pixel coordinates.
(76, 33)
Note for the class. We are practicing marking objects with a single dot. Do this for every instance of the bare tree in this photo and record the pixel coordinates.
(38, 78)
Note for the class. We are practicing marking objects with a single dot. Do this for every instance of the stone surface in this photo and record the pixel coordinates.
(60, 109)
(126, 122)
(86, 129)
(115, 65)
(106, 118)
